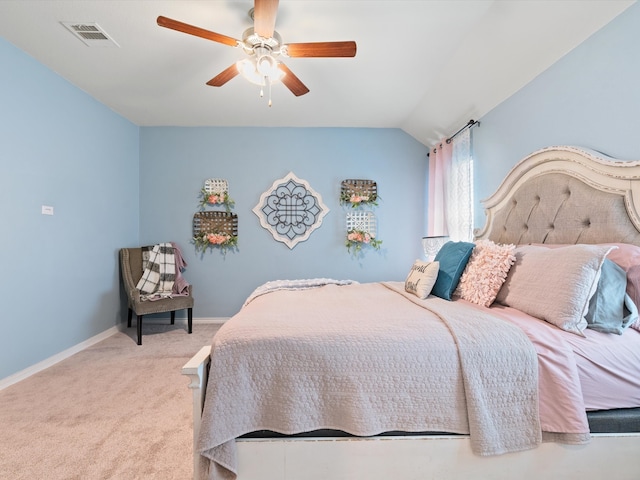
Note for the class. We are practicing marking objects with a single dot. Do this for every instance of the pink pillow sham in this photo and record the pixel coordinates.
(626, 256)
(554, 285)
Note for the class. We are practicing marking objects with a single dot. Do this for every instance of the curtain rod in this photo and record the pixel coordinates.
(469, 124)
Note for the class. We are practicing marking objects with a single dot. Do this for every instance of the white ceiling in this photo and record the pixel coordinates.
(424, 66)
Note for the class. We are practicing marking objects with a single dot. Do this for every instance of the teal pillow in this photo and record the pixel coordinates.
(453, 258)
(611, 310)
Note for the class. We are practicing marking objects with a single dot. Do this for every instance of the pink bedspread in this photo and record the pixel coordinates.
(561, 403)
(609, 368)
(607, 365)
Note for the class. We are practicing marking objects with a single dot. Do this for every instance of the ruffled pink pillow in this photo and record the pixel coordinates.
(486, 272)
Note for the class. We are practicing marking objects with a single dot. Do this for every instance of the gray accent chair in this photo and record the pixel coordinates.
(131, 270)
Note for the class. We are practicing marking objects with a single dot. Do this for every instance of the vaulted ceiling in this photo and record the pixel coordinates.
(423, 66)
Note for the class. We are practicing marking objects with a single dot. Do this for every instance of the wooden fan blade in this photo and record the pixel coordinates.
(224, 76)
(322, 49)
(264, 17)
(196, 31)
(292, 82)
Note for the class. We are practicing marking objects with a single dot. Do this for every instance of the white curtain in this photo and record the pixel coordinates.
(439, 158)
(450, 207)
(459, 189)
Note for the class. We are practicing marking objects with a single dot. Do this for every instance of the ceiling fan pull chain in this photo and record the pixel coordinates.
(269, 80)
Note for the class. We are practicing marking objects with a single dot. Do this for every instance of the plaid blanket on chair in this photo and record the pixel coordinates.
(159, 272)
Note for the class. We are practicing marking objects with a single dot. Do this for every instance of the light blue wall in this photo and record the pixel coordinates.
(61, 148)
(589, 98)
(175, 162)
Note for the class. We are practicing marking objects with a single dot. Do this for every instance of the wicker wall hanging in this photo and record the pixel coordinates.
(361, 231)
(216, 192)
(215, 229)
(358, 192)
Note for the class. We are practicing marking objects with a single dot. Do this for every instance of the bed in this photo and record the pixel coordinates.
(336, 379)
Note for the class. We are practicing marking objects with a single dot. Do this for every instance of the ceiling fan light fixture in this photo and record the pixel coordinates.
(260, 71)
(265, 65)
(248, 69)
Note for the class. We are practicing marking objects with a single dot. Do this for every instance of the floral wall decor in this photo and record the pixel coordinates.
(358, 193)
(291, 210)
(215, 229)
(216, 192)
(361, 232)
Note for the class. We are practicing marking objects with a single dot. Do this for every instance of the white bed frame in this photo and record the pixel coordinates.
(607, 456)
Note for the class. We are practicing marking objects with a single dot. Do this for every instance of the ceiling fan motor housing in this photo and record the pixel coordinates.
(251, 41)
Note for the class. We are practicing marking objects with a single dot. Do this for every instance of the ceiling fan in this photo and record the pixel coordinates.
(263, 45)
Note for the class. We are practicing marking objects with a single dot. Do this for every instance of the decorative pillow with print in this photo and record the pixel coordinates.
(421, 278)
(486, 272)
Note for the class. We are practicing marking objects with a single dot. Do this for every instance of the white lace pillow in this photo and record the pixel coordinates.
(486, 272)
(422, 277)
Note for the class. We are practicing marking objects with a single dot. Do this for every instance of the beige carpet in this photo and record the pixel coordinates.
(113, 411)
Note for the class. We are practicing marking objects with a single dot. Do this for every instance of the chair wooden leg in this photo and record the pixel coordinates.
(139, 329)
(129, 319)
(173, 317)
(190, 320)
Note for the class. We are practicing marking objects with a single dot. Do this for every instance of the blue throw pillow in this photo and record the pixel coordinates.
(611, 310)
(453, 258)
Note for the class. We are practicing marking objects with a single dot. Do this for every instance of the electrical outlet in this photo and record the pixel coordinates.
(47, 210)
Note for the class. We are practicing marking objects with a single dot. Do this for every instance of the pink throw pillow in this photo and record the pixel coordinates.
(486, 272)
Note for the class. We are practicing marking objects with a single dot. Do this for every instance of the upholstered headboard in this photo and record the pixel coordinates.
(565, 195)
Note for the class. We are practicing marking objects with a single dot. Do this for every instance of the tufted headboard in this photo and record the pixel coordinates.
(565, 195)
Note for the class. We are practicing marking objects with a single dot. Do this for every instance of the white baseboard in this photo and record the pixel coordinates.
(183, 321)
(211, 320)
(58, 357)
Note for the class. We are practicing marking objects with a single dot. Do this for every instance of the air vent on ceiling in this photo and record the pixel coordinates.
(91, 34)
